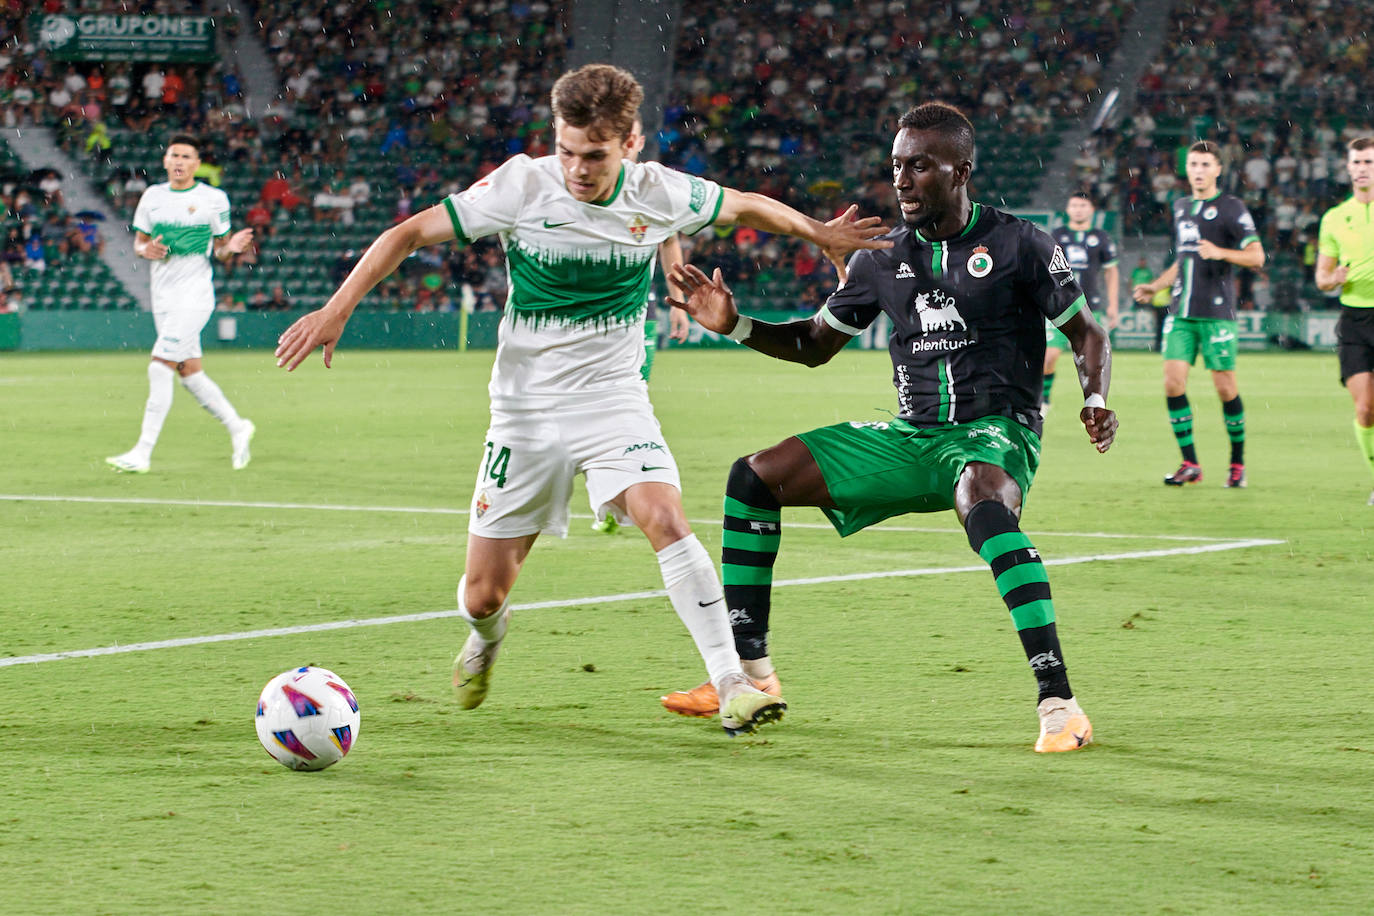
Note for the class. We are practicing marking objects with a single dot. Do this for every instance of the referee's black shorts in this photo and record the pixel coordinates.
(1355, 341)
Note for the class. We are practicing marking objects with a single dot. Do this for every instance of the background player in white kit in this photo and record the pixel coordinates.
(581, 230)
(178, 225)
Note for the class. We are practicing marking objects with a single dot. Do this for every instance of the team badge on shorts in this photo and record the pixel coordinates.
(638, 226)
(979, 263)
(481, 504)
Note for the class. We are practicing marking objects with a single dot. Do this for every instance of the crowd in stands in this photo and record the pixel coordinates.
(1226, 69)
(384, 108)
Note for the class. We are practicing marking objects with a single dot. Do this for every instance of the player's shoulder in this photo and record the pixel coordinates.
(878, 259)
(212, 193)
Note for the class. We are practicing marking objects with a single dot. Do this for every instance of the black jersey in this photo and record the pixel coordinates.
(1207, 289)
(1088, 252)
(968, 316)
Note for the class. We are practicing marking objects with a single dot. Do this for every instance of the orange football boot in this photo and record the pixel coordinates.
(1063, 726)
(702, 701)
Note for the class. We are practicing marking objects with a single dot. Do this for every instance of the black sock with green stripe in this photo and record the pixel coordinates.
(1233, 412)
(1181, 419)
(1045, 391)
(1025, 587)
(749, 547)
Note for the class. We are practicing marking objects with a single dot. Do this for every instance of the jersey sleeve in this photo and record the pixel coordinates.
(854, 305)
(691, 203)
(1244, 226)
(1047, 277)
(219, 214)
(1327, 242)
(493, 203)
(142, 218)
(1109, 252)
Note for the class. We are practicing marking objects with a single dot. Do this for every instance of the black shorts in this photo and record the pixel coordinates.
(1355, 341)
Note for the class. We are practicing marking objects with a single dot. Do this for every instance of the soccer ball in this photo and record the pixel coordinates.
(307, 718)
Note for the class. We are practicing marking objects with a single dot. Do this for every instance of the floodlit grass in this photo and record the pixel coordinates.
(1229, 689)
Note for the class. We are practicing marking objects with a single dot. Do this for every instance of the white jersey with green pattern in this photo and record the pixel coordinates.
(189, 221)
(579, 272)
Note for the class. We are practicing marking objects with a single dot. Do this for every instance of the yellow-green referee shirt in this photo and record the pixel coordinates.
(1347, 234)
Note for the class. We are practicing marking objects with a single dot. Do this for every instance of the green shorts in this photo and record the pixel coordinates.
(880, 469)
(1214, 338)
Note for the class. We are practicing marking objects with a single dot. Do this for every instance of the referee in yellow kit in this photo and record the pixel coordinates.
(1345, 261)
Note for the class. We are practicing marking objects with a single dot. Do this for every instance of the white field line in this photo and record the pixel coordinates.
(598, 599)
(432, 510)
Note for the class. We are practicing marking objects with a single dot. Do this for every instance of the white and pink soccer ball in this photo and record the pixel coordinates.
(307, 718)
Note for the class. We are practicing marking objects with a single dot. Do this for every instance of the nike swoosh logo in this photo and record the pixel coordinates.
(657, 467)
(1078, 737)
(709, 603)
(549, 225)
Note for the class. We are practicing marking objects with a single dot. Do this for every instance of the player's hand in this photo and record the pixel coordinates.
(320, 328)
(1142, 292)
(1209, 251)
(155, 250)
(1339, 275)
(709, 300)
(1101, 426)
(239, 241)
(678, 324)
(844, 235)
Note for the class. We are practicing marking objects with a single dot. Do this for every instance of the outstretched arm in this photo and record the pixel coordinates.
(809, 341)
(837, 238)
(324, 326)
(1092, 356)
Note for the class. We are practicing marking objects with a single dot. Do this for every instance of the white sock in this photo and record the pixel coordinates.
(204, 390)
(694, 589)
(757, 668)
(488, 629)
(159, 402)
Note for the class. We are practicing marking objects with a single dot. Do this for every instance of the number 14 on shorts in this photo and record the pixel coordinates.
(496, 464)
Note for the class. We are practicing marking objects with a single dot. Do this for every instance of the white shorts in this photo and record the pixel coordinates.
(525, 481)
(178, 333)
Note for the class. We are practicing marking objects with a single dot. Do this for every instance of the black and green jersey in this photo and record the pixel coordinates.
(968, 316)
(1088, 251)
(1207, 289)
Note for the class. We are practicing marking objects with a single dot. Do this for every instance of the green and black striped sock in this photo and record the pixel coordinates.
(1025, 588)
(1233, 411)
(749, 548)
(1181, 419)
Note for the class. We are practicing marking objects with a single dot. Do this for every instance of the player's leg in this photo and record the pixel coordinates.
(1180, 351)
(988, 502)
(755, 491)
(695, 593)
(492, 566)
(212, 398)
(138, 459)
(1361, 388)
(1055, 344)
(524, 481)
(1233, 413)
(1355, 353)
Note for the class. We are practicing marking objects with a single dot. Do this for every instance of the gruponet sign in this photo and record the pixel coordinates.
(121, 36)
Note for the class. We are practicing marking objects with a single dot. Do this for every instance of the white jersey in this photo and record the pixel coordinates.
(579, 272)
(189, 221)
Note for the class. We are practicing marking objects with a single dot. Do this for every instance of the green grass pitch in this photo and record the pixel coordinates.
(1219, 640)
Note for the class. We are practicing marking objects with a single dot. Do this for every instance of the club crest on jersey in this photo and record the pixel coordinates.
(191, 208)
(979, 263)
(638, 226)
(481, 504)
(1092, 241)
(476, 192)
(1209, 213)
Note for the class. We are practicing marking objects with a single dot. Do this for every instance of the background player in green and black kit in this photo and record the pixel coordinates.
(1345, 261)
(1213, 235)
(967, 288)
(1092, 255)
